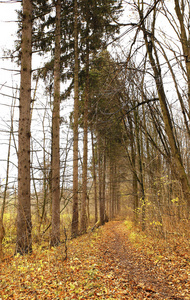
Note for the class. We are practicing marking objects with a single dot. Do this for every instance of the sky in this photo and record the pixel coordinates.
(8, 28)
(7, 24)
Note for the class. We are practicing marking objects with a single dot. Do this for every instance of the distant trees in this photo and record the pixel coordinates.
(98, 27)
(94, 25)
(104, 119)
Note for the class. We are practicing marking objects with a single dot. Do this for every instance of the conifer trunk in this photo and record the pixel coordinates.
(104, 183)
(94, 179)
(101, 178)
(75, 215)
(85, 145)
(55, 234)
(24, 224)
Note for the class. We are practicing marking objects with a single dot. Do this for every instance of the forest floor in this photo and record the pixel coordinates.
(113, 262)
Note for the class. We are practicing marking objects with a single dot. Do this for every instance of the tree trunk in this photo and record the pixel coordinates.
(75, 127)
(134, 171)
(2, 234)
(100, 181)
(85, 144)
(94, 179)
(185, 42)
(141, 177)
(8, 161)
(110, 189)
(24, 224)
(55, 234)
(104, 183)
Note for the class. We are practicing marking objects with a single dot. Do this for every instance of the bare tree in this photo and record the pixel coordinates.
(152, 50)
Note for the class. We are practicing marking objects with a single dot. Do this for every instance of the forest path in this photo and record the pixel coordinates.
(112, 262)
(142, 276)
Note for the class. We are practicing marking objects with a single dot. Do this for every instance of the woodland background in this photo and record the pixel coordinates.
(99, 121)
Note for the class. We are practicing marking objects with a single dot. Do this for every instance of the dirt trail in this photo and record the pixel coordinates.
(137, 272)
(103, 264)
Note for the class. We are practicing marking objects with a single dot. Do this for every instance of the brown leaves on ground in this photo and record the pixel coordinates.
(106, 264)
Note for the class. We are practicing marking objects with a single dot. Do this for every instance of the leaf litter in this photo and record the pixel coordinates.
(105, 264)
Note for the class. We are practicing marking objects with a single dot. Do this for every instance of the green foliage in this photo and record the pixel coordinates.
(104, 107)
(97, 21)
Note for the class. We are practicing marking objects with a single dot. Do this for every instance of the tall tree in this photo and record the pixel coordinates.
(75, 126)
(103, 113)
(184, 32)
(85, 128)
(97, 28)
(55, 235)
(24, 224)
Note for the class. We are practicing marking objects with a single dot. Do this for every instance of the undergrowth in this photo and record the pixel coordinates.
(159, 246)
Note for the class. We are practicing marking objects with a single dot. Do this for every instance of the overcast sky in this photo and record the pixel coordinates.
(8, 28)
(7, 24)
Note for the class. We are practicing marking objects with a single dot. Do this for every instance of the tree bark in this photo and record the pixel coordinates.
(104, 183)
(75, 215)
(94, 179)
(55, 234)
(134, 171)
(2, 234)
(85, 144)
(140, 163)
(100, 179)
(24, 224)
(185, 41)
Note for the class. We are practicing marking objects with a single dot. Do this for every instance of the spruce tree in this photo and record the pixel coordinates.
(24, 224)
